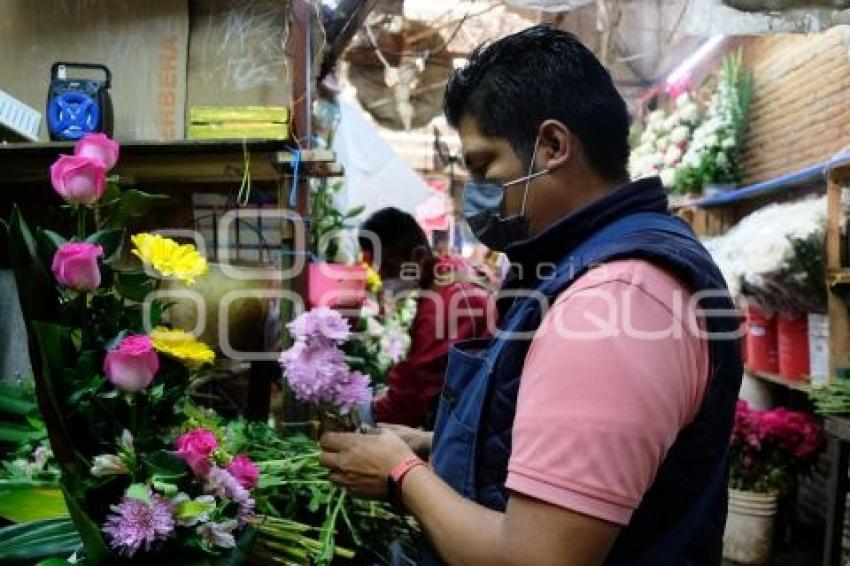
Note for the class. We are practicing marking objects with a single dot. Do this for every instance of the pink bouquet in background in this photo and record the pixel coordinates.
(769, 449)
(316, 368)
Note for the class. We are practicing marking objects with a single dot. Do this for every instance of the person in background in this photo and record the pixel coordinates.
(452, 306)
(594, 427)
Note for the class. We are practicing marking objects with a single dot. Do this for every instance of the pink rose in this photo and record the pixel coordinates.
(75, 266)
(78, 179)
(196, 447)
(244, 470)
(99, 148)
(131, 366)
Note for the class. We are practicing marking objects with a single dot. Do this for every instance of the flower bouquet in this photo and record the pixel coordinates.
(664, 141)
(317, 371)
(712, 157)
(111, 378)
(769, 449)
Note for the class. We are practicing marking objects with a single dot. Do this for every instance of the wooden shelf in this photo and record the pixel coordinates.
(799, 183)
(177, 162)
(796, 385)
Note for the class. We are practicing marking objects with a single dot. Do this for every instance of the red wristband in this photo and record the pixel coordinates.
(403, 468)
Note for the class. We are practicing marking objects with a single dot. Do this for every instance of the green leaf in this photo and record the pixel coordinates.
(356, 211)
(156, 392)
(55, 352)
(164, 466)
(21, 503)
(165, 488)
(190, 509)
(111, 241)
(30, 542)
(139, 491)
(54, 238)
(15, 400)
(16, 434)
(132, 204)
(89, 532)
(53, 562)
(36, 287)
(4, 243)
(135, 285)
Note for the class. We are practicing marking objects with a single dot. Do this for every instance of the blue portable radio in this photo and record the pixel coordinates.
(76, 107)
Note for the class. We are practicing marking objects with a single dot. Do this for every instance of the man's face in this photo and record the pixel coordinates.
(494, 159)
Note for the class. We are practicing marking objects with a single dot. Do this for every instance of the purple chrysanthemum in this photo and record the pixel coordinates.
(352, 391)
(222, 484)
(313, 368)
(134, 524)
(320, 322)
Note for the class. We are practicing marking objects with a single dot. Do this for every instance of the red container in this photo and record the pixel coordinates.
(761, 342)
(793, 344)
(336, 285)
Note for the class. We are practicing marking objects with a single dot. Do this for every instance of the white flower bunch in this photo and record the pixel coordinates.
(664, 141)
(761, 243)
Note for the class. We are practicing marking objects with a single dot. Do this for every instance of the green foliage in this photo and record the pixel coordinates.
(120, 206)
(294, 486)
(21, 502)
(328, 221)
(28, 543)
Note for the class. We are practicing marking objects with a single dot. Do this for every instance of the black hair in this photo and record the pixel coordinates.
(397, 231)
(511, 86)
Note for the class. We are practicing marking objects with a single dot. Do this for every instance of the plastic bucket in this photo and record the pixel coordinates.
(793, 345)
(818, 348)
(761, 342)
(748, 537)
(336, 285)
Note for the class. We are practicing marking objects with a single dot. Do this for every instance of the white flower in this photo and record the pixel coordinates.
(108, 465)
(189, 512)
(679, 134)
(668, 177)
(127, 439)
(691, 160)
(219, 534)
(373, 327)
(690, 114)
(655, 117)
(711, 140)
(722, 160)
(673, 155)
(728, 143)
(683, 100)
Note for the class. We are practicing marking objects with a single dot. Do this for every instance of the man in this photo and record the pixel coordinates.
(450, 306)
(603, 439)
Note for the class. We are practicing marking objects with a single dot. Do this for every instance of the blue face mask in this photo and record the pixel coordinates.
(482, 201)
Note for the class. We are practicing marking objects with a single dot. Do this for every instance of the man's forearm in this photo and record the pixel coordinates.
(462, 531)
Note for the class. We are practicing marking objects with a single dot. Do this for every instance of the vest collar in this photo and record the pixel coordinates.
(551, 245)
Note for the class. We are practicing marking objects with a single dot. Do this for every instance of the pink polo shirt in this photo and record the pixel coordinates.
(616, 370)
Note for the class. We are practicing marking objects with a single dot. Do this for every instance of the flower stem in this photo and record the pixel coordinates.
(81, 222)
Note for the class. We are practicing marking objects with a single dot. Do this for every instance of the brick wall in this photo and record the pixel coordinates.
(800, 113)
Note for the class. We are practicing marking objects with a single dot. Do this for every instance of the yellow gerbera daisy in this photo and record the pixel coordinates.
(182, 346)
(170, 258)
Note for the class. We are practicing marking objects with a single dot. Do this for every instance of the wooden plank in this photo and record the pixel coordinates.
(836, 501)
(796, 385)
(839, 319)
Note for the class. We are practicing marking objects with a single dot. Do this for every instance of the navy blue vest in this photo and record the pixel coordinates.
(681, 517)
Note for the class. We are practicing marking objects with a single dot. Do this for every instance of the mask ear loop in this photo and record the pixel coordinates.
(531, 176)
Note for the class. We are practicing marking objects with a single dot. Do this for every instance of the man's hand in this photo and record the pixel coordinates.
(362, 462)
(418, 440)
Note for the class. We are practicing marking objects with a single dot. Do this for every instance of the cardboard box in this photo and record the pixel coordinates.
(237, 54)
(144, 44)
